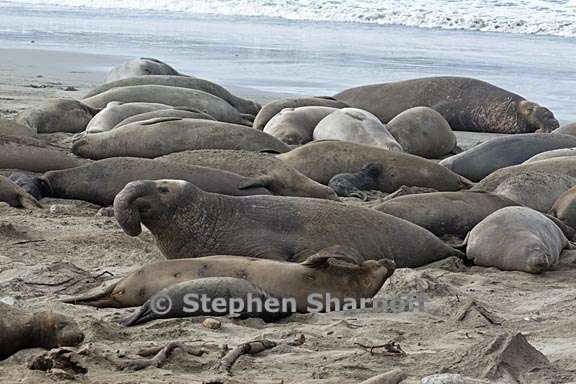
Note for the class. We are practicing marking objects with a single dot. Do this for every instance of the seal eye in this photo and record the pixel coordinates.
(163, 190)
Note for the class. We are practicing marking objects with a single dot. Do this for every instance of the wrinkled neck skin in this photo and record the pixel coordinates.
(502, 117)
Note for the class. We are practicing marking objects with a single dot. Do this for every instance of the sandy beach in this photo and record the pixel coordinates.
(470, 323)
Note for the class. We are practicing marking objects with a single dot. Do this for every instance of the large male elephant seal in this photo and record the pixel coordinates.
(478, 162)
(355, 126)
(15, 196)
(154, 138)
(338, 270)
(295, 126)
(13, 128)
(445, 213)
(173, 96)
(516, 239)
(21, 330)
(261, 169)
(568, 129)
(244, 106)
(117, 111)
(29, 154)
(100, 181)
(551, 154)
(270, 110)
(58, 115)
(187, 222)
(183, 113)
(467, 104)
(564, 208)
(138, 67)
(422, 131)
(322, 160)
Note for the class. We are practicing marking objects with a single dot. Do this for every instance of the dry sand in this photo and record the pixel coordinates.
(465, 328)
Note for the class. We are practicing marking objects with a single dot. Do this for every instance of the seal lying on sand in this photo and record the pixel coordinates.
(15, 196)
(100, 181)
(271, 109)
(551, 154)
(187, 222)
(478, 162)
(13, 128)
(20, 330)
(352, 184)
(338, 270)
(116, 111)
(59, 115)
(467, 104)
(564, 207)
(355, 126)
(242, 105)
(323, 160)
(142, 66)
(262, 170)
(516, 239)
(295, 126)
(158, 137)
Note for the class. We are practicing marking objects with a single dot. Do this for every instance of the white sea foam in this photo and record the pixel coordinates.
(548, 17)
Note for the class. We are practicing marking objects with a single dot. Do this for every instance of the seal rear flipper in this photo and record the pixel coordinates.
(99, 299)
(143, 315)
(336, 256)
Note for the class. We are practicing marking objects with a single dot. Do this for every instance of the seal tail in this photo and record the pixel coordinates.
(100, 299)
(143, 315)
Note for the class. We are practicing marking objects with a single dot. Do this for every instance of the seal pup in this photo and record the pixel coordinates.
(144, 66)
(322, 160)
(516, 239)
(341, 271)
(355, 126)
(15, 196)
(100, 181)
(21, 330)
(295, 126)
(188, 222)
(467, 104)
(58, 115)
(262, 170)
(158, 137)
(353, 184)
(422, 131)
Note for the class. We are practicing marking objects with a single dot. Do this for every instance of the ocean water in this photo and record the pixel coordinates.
(319, 47)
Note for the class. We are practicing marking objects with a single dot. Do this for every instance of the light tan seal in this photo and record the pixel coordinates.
(295, 126)
(146, 66)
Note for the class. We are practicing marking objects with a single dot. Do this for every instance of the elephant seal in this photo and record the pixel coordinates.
(355, 126)
(13, 128)
(187, 223)
(261, 169)
(21, 330)
(478, 162)
(15, 196)
(352, 184)
(173, 96)
(564, 208)
(295, 126)
(271, 109)
(338, 270)
(551, 154)
(187, 113)
(158, 137)
(568, 129)
(322, 160)
(58, 115)
(29, 154)
(177, 301)
(116, 111)
(422, 131)
(516, 239)
(242, 105)
(467, 104)
(143, 66)
(445, 213)
(100, 181)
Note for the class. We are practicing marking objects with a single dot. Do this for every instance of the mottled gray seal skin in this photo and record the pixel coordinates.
(478, 162)
(188, 113)
(187, 222)
(467, 104)
(116, 111)
(21, 330)
(323, 160)
(261, 169)
(100, 181)
(271, 109)
(58, 115)
(15, 196)
(144, 66)
(356, 126)
(158, 137)
(244, 106)
(422, 131)
(176, 301)
(13, 128)
(568, 129)
(173, 96)
(445, 213)
(564, 208)
(516, 239)
(353, 184)
(295, 126)
(551, 154)
(29, 154)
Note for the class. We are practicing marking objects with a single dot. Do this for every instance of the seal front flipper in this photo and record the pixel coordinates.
(143, 315)
(263, 181)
